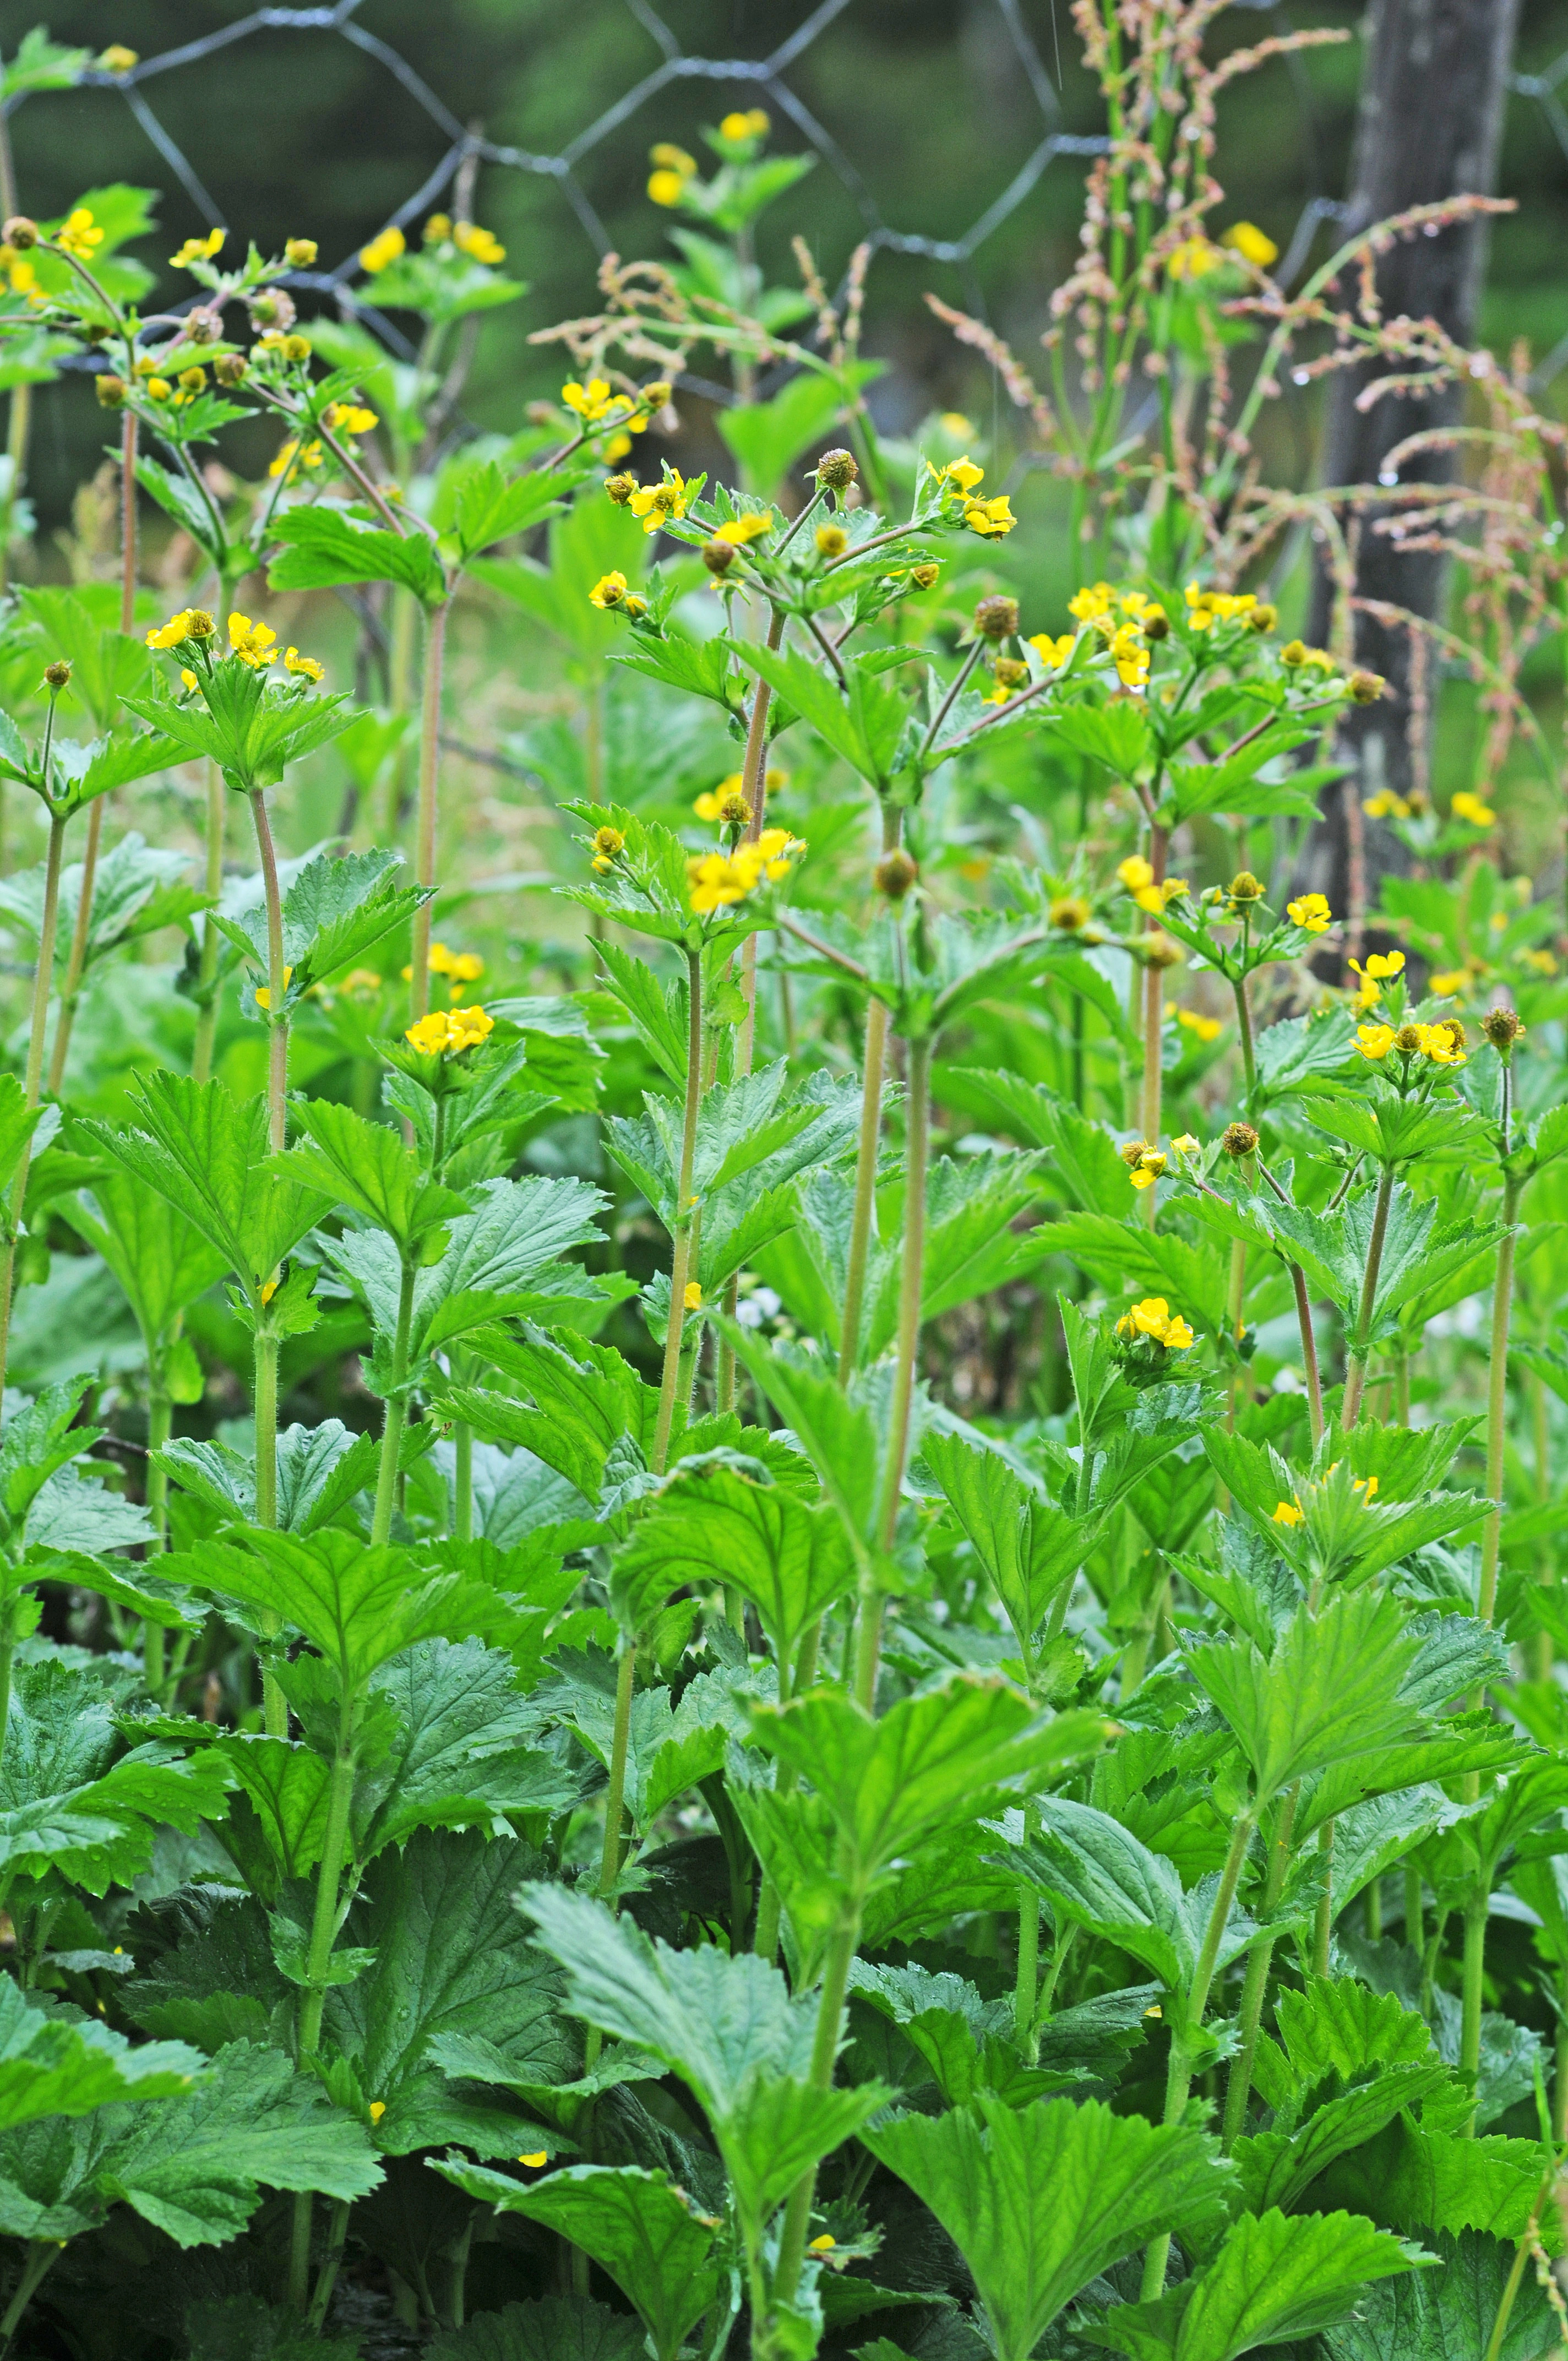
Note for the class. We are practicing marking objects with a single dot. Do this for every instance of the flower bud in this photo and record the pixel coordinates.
(1365, 687)
(832, 540)
(1159, 949)
(735, 811)
(1262, 619)
(194, 380)
(296, 349)
(1293, 653)
(996, 617)
(298, 253)
(111, 391)
(1239, 1139)
(57, 674)
(837, 471)
(924, 576)
(20, 232)
(656, 397)
(1502, 1029)
(1070, 913)
(229, 368)
(620, 488)
(894, 874)
(718, 556)
(199, 624)
(1408, 1038)
(1154, 624)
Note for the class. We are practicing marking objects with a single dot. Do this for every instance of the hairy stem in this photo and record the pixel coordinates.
(462, 1482)
(1309, 1353)
(1473, 1974)
(1361, 1345)
(41, 2253)
(397, 1411)
(824, 2056)
(159, 1420)
(425, 826)
(615, 1796)
(42, 979)
(1153, 1028)
(681, 1271)
(76, 959)
(1254, 1989)
(911, 1287)
(1497, 1403)
(276, 1023)
(211, 941)
(754, 789)
(1323, 1928)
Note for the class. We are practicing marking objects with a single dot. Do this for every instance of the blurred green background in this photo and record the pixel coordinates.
(930, 102)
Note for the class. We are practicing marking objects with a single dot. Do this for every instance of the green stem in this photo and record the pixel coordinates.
(1510, 2292)
(1323, 1929)
(42, 2253)
(159, 1421)
(1497, 1403)
(681, 1269)
(396, 1411)
(754, 789)
(836, 1969)
(1254, 1988)
(1476, 1912)
(1355, 1376)
(264, 1387)
(324, 1934)
(76, 959)
(621, 1745)
(462, 1482)
(1025, 1992)
(1154, 1026)
(42, 979)
(867, 1152)
(1243, 1029)
(1415, 1933)
(1178, 2078)
(326, 2279)
(276, 1023)
(429, 778)
(911, 1287)
(1560, 2081)
(1059, 1951)
(1309, 1353)
(211, 941)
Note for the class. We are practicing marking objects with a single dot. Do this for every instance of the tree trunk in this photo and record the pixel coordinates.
(1430, 127)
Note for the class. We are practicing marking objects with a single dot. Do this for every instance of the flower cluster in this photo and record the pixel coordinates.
(613, 593)
(448, 1032)
(1144, 1161)
(1155, 1319)
(1380, 969)
(720, 879)
(1442, 1044)
(460, 968)
(992, 519)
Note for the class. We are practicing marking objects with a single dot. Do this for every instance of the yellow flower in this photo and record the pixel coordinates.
(693, 1296)
(348, 418)
(1178, 1337)
(1090, 603)
(666, 187)
(608, 842)
(199, 249)
(311, 457)
(79, 233)
(478, 244)
(1186, 1145)
(1289, 1512)
(1134, 872)
(823, 2246)
(306, 665)
(466, 1027)
(1464, 806)
(1310, 912)
(1439, 1044)
(263, 994)
(1245, 237)
(116, 59)
(1154, 1317)
(609, 590)
(431, 1034)
(961, 472)
(718, 881)
(254, 643)
(1374, 975)
(1375, 1041)
(1386, 805)
(383, 250)
(1543, 962)
(752, 124)
(298, 253)
(738, 531)
(187, 678)
(991, 519)
(1367, 1484)
(536, 2161)
(172, 633)
(378, 2109)
(1193, 258)
(1130, 656)
(1208, 1028)
(673, 158)
(1452, 980)
(593, 401)
(1050, 652)
(158, 388)
(1070, 912)
(657, 503)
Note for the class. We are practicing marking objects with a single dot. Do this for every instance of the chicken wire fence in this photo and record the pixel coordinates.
(466, 147)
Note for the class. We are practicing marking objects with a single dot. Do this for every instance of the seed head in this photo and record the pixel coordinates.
(1070, 913)
(1011, 672)
(111, 391)
(620, 488)
(718, 556)
(656, 397)
(1502, 1029)
(57, 674)
(229, 368)
(204, 325)
(608, 842)
(1244, 889)
(1239, 1139)
(894, 874)
(1262, 619)
(832, 540)
(996, 617)
(272, 307)
(837, 471)
(735, 811)
(20, 232)
(1409, 1038)
(1156, 624)
(1365, 687)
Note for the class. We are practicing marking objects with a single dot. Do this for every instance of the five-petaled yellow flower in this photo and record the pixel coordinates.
(1289, 1512)
(383, 250)
(1254, 245)
(1310, 912)
(287, 453)
(738, 531)
(254, 643)
(1375, 1041)
(478, 244)
(348, 418)
(264, 996)
(199, 249)
(1154, 1317)
(79, 233)
(1052, 653)
(989, 518)
(1208, 1028)
(1467, 806)
(655, 504)
(450, 1031)
(593, 401)
(307, 666)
